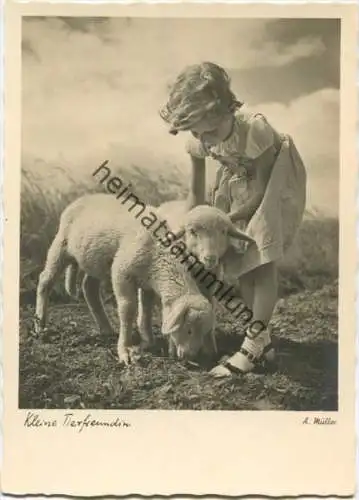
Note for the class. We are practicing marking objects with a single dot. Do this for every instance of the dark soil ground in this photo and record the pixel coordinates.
(71, 366)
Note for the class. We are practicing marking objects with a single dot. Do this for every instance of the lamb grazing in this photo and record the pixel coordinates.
(207, 232)
(101, 237)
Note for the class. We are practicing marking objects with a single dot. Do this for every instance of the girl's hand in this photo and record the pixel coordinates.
(247, 209)
(236, 215)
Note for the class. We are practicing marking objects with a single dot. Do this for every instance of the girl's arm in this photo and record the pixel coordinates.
(262, 167)
(196, 195)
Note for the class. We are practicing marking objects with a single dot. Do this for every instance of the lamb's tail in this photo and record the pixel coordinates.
(72, 274)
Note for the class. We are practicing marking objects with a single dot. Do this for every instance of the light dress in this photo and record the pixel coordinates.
(276, 221)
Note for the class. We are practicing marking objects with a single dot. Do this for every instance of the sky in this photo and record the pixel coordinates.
(92, 88)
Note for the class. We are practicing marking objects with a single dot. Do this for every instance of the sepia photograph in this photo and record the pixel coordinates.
(179, 213)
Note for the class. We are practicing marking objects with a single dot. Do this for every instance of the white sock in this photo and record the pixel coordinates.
(256, 344)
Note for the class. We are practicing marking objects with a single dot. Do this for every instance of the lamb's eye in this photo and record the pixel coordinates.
(189, 332)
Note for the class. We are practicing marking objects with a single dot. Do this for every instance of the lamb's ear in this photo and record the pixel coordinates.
(235, 233)
(174, 318)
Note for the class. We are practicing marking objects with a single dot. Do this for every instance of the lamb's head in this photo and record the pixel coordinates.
(207, 232)
(189, 322)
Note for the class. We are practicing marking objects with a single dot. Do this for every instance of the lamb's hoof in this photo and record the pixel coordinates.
(136, 353)
(172, 352)
(38, 328)
(129, 355)
(124, 355)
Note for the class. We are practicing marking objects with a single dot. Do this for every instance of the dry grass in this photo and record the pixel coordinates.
(71, 366)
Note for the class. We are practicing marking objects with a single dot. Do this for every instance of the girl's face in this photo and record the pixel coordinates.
(213, 130)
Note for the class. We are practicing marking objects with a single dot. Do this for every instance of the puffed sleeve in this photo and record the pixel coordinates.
(195, 148)
(260, 137)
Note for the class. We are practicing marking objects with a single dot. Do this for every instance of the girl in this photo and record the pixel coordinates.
(260, 183)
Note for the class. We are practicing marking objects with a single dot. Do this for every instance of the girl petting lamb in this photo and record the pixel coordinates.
(260, 183)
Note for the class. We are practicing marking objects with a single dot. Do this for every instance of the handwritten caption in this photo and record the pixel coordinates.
(71, 421)
(319, 421)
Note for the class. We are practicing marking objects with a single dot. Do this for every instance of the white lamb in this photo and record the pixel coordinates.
(98, 233)
(208, 233)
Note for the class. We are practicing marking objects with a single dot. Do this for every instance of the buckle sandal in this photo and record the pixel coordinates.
(251, 355)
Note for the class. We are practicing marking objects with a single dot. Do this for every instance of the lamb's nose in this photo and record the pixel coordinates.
(210, 261)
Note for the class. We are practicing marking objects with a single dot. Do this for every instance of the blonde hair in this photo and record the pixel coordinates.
(200, 90)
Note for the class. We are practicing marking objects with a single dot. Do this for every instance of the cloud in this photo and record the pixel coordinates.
(277, 54)
(313, 122)
(93, 91)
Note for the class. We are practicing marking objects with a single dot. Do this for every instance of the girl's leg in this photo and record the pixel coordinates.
(247, 288)
(266, 292)
(257, 338)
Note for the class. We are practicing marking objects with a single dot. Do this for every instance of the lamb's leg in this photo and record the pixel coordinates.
(126, 297)
(146, 299)
(172, 351)
(56, 262)
(91, 291)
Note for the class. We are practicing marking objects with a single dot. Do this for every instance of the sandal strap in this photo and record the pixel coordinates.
(256, 361)
(252, 358)
(267, 348)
